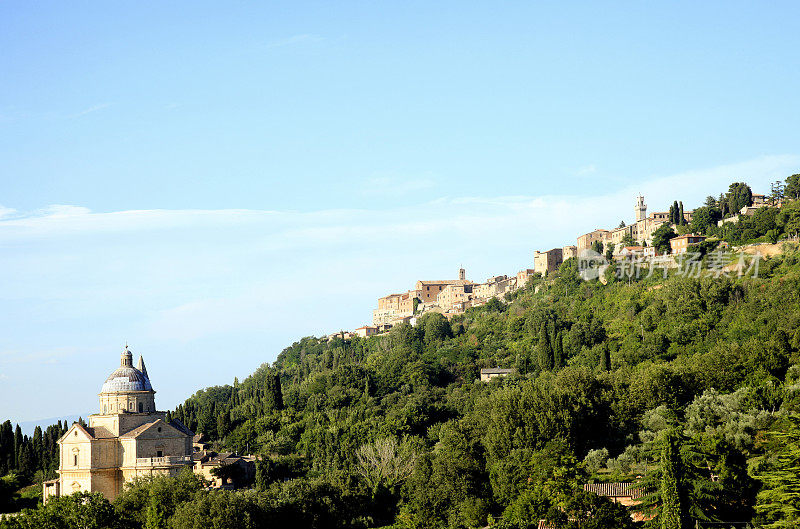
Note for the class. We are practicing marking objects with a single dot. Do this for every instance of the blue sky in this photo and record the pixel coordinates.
(213, 181)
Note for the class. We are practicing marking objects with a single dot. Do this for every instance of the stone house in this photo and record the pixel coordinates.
(493, 372)
(549, 261)
(680, 245)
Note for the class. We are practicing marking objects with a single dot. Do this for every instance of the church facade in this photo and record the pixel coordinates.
(128, 438)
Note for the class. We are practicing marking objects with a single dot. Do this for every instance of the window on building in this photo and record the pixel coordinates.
(130, 405)
(159, 453)
(74, 460)
(141, 407)
(105, 410)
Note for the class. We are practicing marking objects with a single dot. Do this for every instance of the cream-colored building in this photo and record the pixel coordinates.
(494, 286)
(128, 438)
(618, 234)
(680, 244)
(493, 372)
(428, 291)
(523, 276)
(585, 241)
(452, 294)
(394, 308)
(366, 331)
(569, 251)
(549, 261)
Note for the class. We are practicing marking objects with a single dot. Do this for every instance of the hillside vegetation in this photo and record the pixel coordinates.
(687, 386)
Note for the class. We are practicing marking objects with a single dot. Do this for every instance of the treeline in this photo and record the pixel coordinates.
(686, 386)
(768, 224)
(33, 457)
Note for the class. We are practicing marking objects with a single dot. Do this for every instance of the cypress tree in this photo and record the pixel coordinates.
(681, 218)
(263, 468)
(273, 396)
(545, 350)
(671, 508)
(17, 445)
(38, 448)
(558, 351)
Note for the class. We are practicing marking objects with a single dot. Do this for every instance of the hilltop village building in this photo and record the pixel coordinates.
(680, 245)
(549, 261)
(454, 296)
(641, 231)
(126, 439)
(568, 252)
(446, 296)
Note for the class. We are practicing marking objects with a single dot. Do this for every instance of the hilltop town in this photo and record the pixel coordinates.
(451, 297)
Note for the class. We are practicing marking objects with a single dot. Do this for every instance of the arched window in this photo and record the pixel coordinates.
(130, 405)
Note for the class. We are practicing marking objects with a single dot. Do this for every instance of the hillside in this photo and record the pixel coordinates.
(603, 373)
(675, 382)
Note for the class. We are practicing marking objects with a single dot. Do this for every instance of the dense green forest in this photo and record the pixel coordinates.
(687, 386)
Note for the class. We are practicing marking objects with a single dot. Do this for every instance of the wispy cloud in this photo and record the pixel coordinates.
(94, 108)
(304, 38)
(586, 170)
(187, 284)
(6, 212)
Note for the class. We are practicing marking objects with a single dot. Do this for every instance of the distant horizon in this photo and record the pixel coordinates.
(211, 183)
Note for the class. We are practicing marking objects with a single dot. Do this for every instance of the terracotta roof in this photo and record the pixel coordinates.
(447, 282)
(615, 490)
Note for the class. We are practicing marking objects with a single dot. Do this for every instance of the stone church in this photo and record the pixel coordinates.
(128, 438)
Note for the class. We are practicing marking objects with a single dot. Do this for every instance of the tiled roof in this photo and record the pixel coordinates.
(615, 490)
(495, 371)
(136, 431)
(100, 432)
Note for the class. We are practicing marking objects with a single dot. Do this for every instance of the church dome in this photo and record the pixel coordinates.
(126, 377)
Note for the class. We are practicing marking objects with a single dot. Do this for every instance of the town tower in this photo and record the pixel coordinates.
(640, 209)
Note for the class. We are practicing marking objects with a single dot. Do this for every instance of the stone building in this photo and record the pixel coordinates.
(428, 291)
(454, 293)
(128, 438)
(585, 241)
(394, 307)
(489, 373)
(494, 286)
(523, 276)
(680, 245)
(549, 261)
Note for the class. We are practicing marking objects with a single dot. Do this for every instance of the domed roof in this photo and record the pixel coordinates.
(126, 377)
